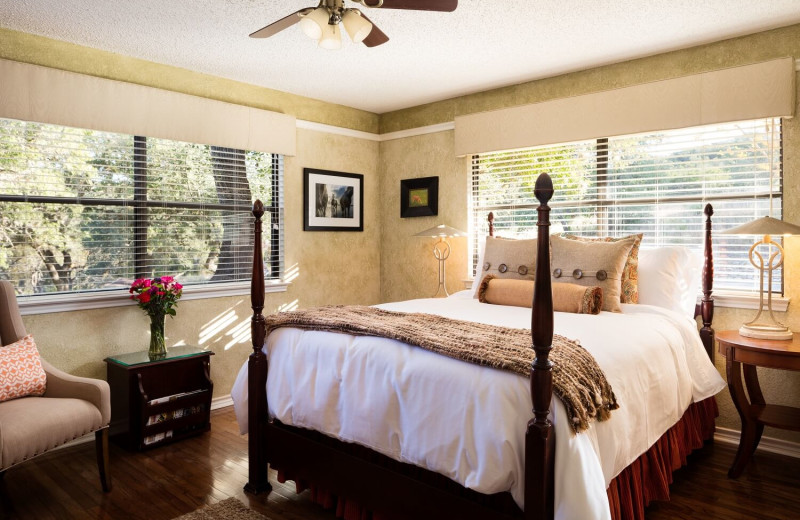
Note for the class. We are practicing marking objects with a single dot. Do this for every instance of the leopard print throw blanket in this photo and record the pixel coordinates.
(577, 379)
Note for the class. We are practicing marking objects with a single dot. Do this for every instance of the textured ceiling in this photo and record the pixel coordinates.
(430, 56)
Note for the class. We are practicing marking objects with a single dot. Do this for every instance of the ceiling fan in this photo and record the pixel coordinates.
(322, 22)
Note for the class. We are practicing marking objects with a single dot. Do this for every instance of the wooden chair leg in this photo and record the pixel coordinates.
(101, 446)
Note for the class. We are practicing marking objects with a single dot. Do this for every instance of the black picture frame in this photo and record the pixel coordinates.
(419, 197)
(328, 213)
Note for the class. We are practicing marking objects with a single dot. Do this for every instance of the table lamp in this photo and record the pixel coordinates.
(769, 328)
(441, 250)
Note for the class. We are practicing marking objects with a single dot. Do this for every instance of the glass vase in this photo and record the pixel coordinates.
(157, 348)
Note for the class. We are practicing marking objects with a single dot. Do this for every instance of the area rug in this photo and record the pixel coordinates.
(228, 509)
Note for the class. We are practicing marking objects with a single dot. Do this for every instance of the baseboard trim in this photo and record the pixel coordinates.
(768, 444)
(221, 402)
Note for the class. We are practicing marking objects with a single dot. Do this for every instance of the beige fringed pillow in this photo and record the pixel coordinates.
(567, 297)
(591, 264)
(629, 288)
(508, 258)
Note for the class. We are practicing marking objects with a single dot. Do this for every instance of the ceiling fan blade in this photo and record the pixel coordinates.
(447, 6)
(283, 23)
(376, 36)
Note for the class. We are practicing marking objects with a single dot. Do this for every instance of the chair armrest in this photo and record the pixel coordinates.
(96, 391)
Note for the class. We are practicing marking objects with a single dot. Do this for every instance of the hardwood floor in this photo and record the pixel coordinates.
(179, 478)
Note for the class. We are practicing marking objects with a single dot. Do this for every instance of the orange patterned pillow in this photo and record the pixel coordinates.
(21, 371)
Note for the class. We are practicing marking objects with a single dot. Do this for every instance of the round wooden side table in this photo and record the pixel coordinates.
(742, 356)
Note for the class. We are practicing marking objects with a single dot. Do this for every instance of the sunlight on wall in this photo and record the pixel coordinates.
(215, 326)
(291, 306)
(291, 273)
(240, 333)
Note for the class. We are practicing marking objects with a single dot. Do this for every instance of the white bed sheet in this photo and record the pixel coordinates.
(468, 422)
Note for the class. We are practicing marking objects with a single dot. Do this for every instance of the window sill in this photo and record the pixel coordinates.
(730, 299)
(100, 300)
(745, 300)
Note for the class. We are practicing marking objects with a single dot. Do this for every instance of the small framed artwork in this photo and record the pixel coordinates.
(419, 197)
(332, 201)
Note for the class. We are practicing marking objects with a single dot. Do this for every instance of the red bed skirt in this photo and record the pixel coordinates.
(646, 479)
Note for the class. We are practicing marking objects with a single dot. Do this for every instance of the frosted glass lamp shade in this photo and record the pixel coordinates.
(356, 26)
(331, 37)
(314, 23)
(764, 226)
(441, 231)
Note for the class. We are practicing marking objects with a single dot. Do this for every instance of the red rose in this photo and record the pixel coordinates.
(144, 297)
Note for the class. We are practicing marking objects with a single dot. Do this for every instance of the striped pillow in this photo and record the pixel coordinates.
(21, 371)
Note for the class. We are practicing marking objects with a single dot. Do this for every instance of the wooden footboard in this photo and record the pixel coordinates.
(398, 490)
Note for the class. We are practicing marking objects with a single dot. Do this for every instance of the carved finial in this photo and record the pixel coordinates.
(258, 209)
(709, 210)
(490, 217)
(544, 188)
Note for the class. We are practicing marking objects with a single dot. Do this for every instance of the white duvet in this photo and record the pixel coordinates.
(468, 422)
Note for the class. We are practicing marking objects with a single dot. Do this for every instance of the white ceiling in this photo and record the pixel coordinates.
(430, 56)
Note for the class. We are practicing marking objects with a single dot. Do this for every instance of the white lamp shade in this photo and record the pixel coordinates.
(314, 23)
(331, 37)
(356, 26)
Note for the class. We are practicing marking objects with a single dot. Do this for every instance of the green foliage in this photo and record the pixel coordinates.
(73, 245)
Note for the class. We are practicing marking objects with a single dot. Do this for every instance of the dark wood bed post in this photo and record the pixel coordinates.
(491, 224)
(540, 436)
(707, 303)
(257, 366)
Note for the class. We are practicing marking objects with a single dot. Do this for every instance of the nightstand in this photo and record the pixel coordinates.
(157, 402)
(742, 356)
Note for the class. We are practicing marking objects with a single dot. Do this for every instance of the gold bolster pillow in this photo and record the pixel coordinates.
(567, 297)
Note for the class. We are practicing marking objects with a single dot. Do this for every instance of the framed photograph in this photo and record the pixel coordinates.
(419, 197)
(332, 201)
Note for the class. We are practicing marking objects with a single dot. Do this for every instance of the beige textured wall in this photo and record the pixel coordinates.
(408, 268)
(327, 268)
(408, 272)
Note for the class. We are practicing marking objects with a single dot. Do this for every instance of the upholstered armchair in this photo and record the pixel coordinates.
(70, 407)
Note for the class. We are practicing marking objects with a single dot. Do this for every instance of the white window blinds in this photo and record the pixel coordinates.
(84, 210)
(656, 184)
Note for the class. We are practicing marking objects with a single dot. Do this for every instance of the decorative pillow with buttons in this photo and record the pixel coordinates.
(591, 264)
(507, 258)
(629, 291)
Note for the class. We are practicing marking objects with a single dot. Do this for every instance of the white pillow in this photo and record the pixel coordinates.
(669, 277)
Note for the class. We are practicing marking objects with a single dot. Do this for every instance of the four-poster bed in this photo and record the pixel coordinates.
(396, 489)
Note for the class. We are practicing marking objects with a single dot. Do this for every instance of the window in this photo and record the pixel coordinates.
(83, 210)
(656, 184)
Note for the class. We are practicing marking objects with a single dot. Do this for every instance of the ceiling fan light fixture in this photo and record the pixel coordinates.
(331, 37)
(314, 23)
(356, 26)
